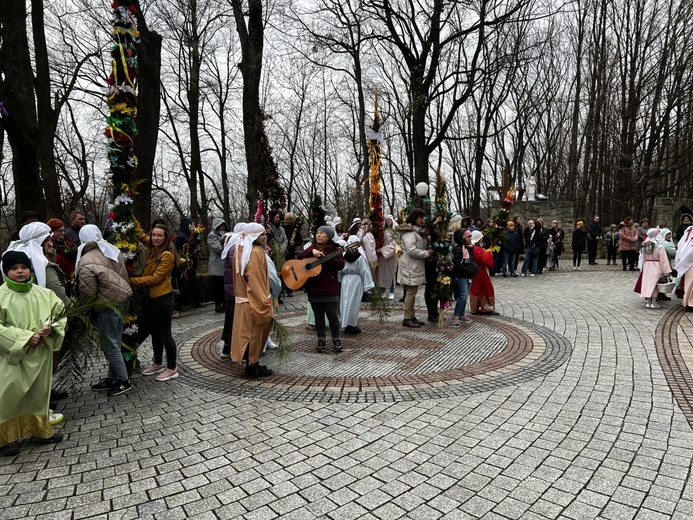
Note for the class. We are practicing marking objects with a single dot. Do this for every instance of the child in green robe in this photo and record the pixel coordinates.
(27, 341)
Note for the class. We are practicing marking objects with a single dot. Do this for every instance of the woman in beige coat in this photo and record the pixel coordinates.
(412, 264)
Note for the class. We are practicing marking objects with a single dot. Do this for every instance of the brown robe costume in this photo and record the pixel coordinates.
(254, 312)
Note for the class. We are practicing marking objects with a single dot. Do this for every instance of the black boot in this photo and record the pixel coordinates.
(337, 345)
(257, 370)
(321, 345)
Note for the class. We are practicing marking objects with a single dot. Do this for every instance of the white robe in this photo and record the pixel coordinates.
(355, 279)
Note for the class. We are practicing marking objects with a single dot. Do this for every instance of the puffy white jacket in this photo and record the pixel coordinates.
(412, 264)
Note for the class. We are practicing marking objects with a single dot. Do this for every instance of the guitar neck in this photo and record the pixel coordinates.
(328, 257)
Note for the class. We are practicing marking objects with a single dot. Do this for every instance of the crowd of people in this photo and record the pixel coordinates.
(44, 268)
(49, 263)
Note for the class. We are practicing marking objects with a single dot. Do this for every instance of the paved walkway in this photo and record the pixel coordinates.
(575, 403)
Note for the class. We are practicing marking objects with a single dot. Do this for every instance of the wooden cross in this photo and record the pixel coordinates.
(504, 188)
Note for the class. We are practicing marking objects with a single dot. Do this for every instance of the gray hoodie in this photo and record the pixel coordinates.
(216, 264)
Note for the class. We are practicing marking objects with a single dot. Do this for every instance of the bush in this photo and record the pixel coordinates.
(204, 288)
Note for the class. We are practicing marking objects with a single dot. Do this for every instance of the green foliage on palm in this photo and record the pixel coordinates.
(82, 345)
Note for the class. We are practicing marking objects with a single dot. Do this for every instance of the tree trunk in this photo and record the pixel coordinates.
(47, 115)
(251, 38)
(21, 123)
(148, 112)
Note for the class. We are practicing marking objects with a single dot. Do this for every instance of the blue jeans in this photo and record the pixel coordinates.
(508, 262)
(530, 261)
(463, 287)
(111, 327)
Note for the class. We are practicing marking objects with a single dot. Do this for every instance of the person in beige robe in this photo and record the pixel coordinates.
(253, 314)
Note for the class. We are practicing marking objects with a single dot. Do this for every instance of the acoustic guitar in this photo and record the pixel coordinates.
(295, 273)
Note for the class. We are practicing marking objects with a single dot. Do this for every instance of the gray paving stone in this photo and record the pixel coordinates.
(600, 435)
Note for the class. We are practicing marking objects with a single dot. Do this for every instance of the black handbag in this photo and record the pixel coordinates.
(466, 268)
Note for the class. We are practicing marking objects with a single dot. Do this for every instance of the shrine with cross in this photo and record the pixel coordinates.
(505, 186)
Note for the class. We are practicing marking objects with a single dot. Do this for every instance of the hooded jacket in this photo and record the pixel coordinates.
(215, 266)
(412, 265)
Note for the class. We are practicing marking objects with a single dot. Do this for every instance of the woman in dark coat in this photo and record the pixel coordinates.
(579, 241)
(543, 241)
(557, 235)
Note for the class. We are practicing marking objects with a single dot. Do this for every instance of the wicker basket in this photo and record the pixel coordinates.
(666, 288)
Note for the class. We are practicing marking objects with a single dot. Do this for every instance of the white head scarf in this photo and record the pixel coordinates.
(91, 233)
(663, 233)
(351, 240)
(476, 236)
(31, 236)
(652, 236)
(250, 234)
(336, 220)
(394, 222)
(684, 253)
(234, 239)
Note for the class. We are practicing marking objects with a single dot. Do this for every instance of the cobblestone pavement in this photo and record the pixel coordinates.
(599, 433)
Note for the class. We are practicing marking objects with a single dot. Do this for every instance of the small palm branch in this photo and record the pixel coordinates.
(285, 344)
(81, 347)
(379, 306)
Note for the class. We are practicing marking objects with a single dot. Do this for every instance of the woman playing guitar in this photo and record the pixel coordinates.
(323, 289)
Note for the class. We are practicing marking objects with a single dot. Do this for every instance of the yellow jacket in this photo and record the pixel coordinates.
(156, 276)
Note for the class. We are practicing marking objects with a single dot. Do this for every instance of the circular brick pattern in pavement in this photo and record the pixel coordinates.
(387, 362)
(675, 353)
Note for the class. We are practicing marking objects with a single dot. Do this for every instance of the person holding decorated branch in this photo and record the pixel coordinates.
(28, 338)
(161, 258)
(412, 263)
(254, 309)
(482, 298)
(324, 289)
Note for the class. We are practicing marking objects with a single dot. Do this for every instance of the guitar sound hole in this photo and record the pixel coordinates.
(308, 267)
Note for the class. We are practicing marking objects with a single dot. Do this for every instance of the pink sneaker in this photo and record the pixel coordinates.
(167, 374)
(153, 369)
(455, 321)
(466, 319)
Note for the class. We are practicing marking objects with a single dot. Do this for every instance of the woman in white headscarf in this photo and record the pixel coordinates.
(387, 261)
(101, 274)
(653, 265)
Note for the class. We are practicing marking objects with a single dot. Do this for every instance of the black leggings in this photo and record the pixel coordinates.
(228, 325)
(218, 290)
(577, 257)
(629, 257)
(159, 313)
(332, 311)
